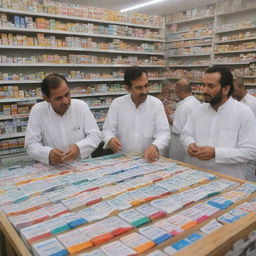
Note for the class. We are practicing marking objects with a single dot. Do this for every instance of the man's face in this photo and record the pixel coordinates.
(139, 89)
(60, 98)
(213, 92)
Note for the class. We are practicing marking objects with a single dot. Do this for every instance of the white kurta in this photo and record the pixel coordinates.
(137, 128)
(250, 101)
(183, 110)
(231, 130)
(47, 130)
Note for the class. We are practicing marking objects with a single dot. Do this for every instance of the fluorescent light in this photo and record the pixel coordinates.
(137, 6)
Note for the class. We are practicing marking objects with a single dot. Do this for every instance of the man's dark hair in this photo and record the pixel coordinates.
(226, 77)
(133, 73)
(52, 82)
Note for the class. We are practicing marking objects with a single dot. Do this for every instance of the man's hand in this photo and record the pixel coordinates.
(115, 144)
(192, 149)
(151, 153)
(72, 154)
(56, 156)
(205, 153)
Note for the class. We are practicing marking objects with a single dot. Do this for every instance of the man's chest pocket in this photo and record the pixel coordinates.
(227, 138)
(76, 133)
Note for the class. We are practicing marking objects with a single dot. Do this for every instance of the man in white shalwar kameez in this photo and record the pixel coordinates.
(60, 129)
(136, 122)
(220, 134)
(183, 109)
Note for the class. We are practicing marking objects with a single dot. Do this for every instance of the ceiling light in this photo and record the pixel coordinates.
(140, 5)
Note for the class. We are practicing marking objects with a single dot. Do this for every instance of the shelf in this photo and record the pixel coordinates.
(13, 135)
(235, 41)
(190, 55)
(240, 51)
(195, 45)
(19, 99)
(188, 65)
(250, 77)
(236, 11)
(231, 63)
(247, 84)
(73, 65)
(78, 49)
(99, 107)
(191, 81)
(185, 31)
(15, 150)
(60, 32)
(189, 39)
(74, 18)
(73, 80)
(189, 20)
(234, 29)
(2, 117)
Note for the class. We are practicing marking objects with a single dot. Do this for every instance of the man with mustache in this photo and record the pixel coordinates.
(220, 134)
(136, 122)
(60, 129)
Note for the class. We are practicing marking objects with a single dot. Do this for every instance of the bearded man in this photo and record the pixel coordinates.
(220, 134)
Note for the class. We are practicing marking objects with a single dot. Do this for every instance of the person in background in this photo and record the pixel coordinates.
(241, 94)
(220, 134)
(184, 108)
(136, 122)
(60, 129)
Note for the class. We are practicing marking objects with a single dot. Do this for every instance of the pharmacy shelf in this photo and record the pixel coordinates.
(75, 18)
(17, 150)
(250, 77)
(234, 29)
(177, 78)
(2, 117)
(188, 65)
(189, 39)
(7, 100)
(50, 31)
(231, 63)
(13, 135)
(74, 65)
(78, 49)
(189, 20)
(190, 46)
(249, 84)
(188, 55)
(236, 11)
(240, 51)
(235, 41)
(74, 80)
(99, 107)
(185, 31)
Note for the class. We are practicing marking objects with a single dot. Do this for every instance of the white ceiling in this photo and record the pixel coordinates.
(162, 8)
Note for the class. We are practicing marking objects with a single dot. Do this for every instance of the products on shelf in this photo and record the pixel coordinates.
(13, 126)
(235, 47)
(15, 92)
(12, 143)
(81, 59)
(194, 34)
(191, 14)
(243, 57)
(229, 6)
(174, 28)
(192, 74)
(21, 108)
(189, 43)
(238, 25)
(238, 36)
(189, 51)
(82, 11)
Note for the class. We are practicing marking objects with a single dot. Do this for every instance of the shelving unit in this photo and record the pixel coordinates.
(230, 24)
(89, 46)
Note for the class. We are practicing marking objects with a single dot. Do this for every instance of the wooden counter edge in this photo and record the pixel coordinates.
(12, 237)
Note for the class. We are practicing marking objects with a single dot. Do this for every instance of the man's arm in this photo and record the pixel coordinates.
(162, 135)
(109, 130)
(33, 138)
(93, 136)
(245, 149)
